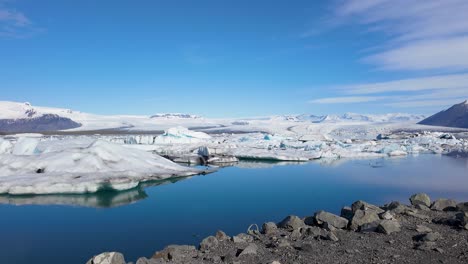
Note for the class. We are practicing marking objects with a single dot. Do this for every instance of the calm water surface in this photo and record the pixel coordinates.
(72, 228)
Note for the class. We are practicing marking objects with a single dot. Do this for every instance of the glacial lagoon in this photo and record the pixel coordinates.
(73, 228)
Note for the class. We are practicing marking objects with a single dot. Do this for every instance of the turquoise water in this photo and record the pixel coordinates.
(72, 228)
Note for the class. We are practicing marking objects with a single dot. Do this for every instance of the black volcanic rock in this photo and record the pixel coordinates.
(455, 116)
(47, 122)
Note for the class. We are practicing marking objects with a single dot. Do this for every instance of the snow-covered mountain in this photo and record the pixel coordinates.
(24, 117)
(455, 116)
(14, 110)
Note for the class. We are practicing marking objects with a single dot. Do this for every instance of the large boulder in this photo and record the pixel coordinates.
(444, 205)
(387, 215)
(315, 231)
(347, 212)
(107, 258)
(221, 236)
(291, 222)
(389, 226)
(361, 205)
(369, 227)
(269, 228)
(322, 218)
(362, 217)
(397, 207)
(209, 243)
(420, 198)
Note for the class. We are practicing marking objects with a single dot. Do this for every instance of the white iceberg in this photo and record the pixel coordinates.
(5, 146)
(181, 135)
(25, 146)
(101, 165)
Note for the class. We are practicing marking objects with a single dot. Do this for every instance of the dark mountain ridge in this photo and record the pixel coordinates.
(455, 116)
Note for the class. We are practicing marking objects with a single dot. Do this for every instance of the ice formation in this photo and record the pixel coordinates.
(91, 161)
(100, 165)
(180, 135)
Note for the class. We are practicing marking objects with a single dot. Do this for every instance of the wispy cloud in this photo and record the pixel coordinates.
(446, 54)
(409, 19)
(15, 24)
(444, 82)
(416, 92)
(346, 99)
(424, 103)
(13, 18)
(428, 34)
(419, 36)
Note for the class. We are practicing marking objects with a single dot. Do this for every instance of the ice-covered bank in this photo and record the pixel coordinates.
(83, 169)
(36, 164)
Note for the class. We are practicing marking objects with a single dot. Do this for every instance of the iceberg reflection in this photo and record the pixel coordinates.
(103, 199)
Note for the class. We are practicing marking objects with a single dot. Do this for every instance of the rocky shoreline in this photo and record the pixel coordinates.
(422, 232)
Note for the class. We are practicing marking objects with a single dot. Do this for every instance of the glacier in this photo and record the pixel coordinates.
(135, 149)
(41, 164)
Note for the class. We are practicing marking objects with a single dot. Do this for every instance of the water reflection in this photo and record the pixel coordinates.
(230, 199)
(399, 172)
(103, 199)
(251, 164)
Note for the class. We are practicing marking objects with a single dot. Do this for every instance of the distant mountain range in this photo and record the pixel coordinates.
(455, 116)
(46, 122)
(23, 117)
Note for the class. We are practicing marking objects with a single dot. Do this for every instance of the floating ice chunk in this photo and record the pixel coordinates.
(101, 165)
(25, 146)
(181, 135)
(341, 144)
(274, 137)
(389, 148)
(416, 149)
(5, 146)
(395, 153)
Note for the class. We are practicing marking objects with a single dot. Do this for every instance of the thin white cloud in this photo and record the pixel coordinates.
(15, 24)
(447, 54)
(444, 82)
(346, 99)
(13, 17)
(424, 103)
(352, 7)
(428, 34)
(409, 19)
(433, 91)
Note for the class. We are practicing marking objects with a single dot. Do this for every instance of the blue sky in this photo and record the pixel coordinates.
(235, 58)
